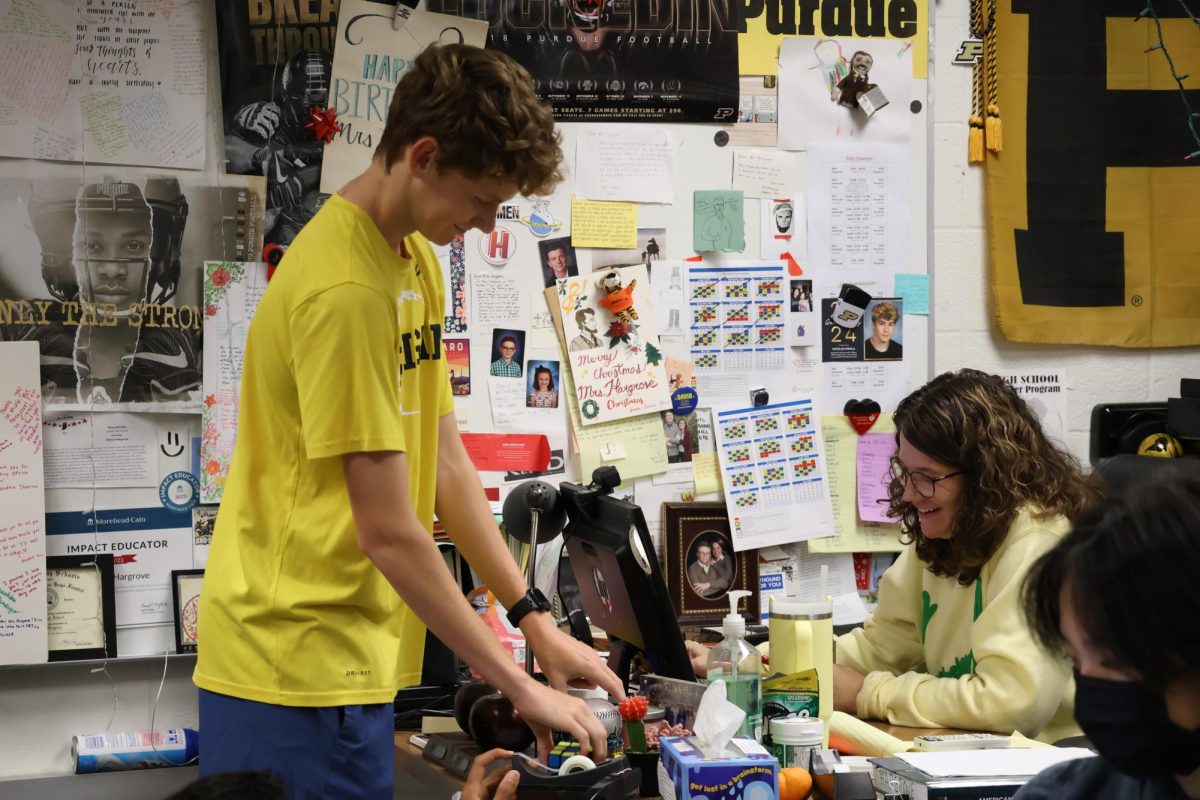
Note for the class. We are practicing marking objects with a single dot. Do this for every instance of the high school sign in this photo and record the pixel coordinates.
(1093, 211)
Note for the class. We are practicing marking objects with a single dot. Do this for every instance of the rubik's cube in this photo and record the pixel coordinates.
(704, 315)
(748, 500)
(767, 287)
(705, 339)
(805, 468)
(706, 361)
(802, 444)
(744, 478)
(738, 289)
(739, 338)
(739, 314)
(769, 311)
(769, 449)
(561, 752)
(770, 335)
(798, 421)
(766, 424)
(739, 455)
(774, 474)
(703, 291)
(736, 431)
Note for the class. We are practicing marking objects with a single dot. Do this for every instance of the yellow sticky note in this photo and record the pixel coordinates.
(600, 223)
(706, 471)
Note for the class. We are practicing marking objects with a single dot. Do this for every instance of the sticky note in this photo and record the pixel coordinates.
(598, 223)
(717, 222)
(915, 291)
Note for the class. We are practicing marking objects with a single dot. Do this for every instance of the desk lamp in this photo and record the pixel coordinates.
(533, 514)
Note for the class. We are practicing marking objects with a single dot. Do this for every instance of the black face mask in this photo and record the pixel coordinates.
(1129, 726)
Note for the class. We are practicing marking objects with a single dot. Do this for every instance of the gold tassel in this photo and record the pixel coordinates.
(975, 141)
(994, 129)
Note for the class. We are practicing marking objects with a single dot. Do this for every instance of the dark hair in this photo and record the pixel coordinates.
(233, 786)
(549, 375)
(507, 338)
(972, 421)
(1130, 567)
(481, 108)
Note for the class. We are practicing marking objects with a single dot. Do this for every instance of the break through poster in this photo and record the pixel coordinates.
(276, 65)
(619, 60)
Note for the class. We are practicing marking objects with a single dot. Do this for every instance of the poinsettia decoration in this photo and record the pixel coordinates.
(618, 331)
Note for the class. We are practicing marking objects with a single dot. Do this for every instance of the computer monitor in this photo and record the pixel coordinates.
(620, 582)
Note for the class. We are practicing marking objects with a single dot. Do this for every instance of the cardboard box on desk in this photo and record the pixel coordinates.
(685, 771)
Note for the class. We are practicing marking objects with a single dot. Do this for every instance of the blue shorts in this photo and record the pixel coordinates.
(328, 752)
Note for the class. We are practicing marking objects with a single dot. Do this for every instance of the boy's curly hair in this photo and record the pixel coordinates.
(481, 108)
(976, 422)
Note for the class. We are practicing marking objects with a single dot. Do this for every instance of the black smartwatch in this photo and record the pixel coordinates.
(533, 600)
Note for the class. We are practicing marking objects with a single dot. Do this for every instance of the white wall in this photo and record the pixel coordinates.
(963, 314)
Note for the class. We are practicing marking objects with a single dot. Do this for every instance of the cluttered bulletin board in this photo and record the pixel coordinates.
(734, 200)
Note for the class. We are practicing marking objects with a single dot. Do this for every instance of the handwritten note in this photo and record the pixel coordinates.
(852, 535)
(119, 83)
(718, 225)
(875, 451)
(603, 224)
(915, 291)
(624, 162)
(495, 303)
(640, 441)
(763, 173)
(22, 508)
(231, 294)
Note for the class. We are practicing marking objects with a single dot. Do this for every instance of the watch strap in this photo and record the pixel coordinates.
(533, 600)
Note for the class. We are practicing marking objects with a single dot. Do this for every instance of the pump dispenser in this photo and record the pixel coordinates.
(736, 662)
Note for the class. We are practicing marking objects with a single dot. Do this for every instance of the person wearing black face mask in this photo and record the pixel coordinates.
(1118, 596)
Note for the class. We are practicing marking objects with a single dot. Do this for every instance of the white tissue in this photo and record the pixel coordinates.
(717, 720)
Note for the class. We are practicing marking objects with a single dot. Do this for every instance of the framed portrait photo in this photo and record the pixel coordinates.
(701, 567)
(185, 592)
(81, 609)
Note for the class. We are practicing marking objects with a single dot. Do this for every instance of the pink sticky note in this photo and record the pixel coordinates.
(875, 451)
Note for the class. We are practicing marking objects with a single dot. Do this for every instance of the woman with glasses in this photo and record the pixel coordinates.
(980, 493)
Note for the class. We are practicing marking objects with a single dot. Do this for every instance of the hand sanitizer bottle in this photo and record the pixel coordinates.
(736, 662)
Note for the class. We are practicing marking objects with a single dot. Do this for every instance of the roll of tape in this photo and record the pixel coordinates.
(576, 764)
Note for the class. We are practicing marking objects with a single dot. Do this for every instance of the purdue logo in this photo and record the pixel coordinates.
(969, 51)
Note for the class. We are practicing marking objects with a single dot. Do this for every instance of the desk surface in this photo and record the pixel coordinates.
(409, 760)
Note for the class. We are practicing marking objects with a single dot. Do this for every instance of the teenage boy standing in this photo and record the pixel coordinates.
(322, 566)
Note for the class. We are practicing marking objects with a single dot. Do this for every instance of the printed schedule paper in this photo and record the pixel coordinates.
(735, 327)
(773, 465)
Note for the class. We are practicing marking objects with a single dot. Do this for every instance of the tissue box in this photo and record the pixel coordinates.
(743, 771)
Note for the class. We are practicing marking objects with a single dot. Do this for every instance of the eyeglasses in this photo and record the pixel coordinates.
(924, 485)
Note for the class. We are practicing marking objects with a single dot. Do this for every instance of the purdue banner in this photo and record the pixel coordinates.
(1093, 219)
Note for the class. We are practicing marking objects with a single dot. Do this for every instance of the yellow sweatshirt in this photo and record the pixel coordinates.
(940, 655)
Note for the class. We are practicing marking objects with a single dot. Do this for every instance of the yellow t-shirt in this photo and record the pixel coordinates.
(344, 355)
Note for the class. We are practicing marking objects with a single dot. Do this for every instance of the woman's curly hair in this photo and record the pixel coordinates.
(481, 108)
(975, 422)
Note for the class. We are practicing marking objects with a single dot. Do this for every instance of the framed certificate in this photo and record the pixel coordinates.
(185, 590)
(81, 617)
